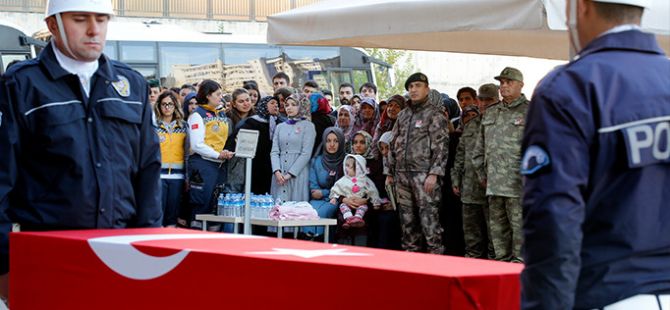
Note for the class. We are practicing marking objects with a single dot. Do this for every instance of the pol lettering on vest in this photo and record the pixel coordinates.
(648, 144)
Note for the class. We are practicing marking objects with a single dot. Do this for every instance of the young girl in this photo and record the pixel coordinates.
(354, 183)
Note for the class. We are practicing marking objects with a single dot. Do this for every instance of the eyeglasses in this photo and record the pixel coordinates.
(167, 105)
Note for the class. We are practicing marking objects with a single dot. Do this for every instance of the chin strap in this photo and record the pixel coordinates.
(575, 46)
(61, 30)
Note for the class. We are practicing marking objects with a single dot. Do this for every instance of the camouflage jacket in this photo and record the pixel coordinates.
(463, 173)
(497, 154)
(421, 139)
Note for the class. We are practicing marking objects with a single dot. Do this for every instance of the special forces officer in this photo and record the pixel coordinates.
(77, 146)
(417, 162)
(597, 166)
(497, 156)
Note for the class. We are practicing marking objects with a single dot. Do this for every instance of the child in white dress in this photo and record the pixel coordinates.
(354, 183)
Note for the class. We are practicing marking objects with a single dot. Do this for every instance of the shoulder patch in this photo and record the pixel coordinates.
(534, 159)
(122, 86)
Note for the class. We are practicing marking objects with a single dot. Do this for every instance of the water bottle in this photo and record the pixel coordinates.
(219, 205)
(239, 206)
(267, 206)
(227, 205)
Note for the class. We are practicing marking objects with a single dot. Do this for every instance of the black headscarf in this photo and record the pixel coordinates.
(263, 116)
(333, 162)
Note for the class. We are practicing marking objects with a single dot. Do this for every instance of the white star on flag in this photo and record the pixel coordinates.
(309, 253)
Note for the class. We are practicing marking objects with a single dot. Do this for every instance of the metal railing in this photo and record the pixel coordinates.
(239, 10)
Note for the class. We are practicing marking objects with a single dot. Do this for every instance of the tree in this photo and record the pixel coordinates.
(391, 84)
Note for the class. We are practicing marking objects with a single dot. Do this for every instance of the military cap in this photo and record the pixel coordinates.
(489, 90)
(153, 83)
(510, 74)
(416, 77)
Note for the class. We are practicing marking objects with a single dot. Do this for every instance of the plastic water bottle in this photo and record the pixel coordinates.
(227, 205)
(219, 205)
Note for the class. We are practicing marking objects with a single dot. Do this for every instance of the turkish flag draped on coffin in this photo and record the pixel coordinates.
(166, 268)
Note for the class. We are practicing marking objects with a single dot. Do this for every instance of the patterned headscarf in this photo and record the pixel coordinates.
(319, 104)
(262, 107)
(367, 125)
(348, 131)
(303, 108)
(386, 123)
(368, 144)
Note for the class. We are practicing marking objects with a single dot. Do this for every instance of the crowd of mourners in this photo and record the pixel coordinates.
(417, 171)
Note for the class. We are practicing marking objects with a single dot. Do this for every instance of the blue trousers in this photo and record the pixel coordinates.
(171, 199)
(325, 211)
(204, 176)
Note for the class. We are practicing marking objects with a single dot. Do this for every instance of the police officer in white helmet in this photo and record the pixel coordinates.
(78, 148)
(596, 162)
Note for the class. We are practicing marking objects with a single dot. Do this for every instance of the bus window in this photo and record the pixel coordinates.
(360, 77)
(147, 72)
(245, 62)
(138, 52)
(184, 63)
(338, 77)
(311, 53)
(8, 58)
(246, 53)
(110, 50)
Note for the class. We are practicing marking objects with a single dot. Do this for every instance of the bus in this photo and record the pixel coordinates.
(176, 56)
(16, 45)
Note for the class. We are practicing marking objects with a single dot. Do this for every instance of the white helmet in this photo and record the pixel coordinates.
(640, 3)
(92, 6)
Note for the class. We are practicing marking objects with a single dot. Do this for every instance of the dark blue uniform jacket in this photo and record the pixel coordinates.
(597, 188)
(68, 161)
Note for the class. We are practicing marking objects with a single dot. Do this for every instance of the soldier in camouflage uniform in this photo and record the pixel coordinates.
(497, 157)
(466, 185)
(416, 165)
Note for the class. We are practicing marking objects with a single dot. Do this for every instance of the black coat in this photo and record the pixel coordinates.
(261, 172)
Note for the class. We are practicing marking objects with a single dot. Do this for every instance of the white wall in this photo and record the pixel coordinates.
(448, 72)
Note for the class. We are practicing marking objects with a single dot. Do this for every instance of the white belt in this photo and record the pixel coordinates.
(642, 302)
(174, 176)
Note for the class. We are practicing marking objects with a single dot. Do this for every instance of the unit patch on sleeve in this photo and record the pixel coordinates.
(534, 159)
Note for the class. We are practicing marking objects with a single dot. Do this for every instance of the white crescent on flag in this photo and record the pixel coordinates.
(120, 255)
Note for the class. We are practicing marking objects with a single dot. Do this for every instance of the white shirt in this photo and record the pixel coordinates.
(197, 138)
(84, 70)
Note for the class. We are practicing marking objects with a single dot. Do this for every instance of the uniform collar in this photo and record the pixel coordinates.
(48, 59)
(516, 102)
(633, 40)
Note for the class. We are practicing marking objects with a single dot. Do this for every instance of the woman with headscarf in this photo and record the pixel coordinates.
(325, 170)
(292, 145)
(394, 105)
(345, 121)
(320, 109)
(265, 121)
(383, 223)
(367, 117)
